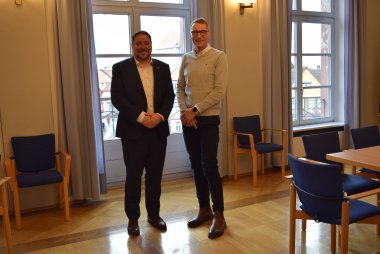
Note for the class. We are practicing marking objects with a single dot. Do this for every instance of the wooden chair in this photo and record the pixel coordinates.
(366, 137)
(320, 191)
(35, 163)
(249, 137)
(4, 213)
(318, 145)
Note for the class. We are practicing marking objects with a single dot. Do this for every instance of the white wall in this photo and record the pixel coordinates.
(25, 91)
(244, 93)
(371, 91)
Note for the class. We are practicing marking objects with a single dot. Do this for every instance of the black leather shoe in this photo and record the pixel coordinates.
(133, 228)
(203, 216)
(157, 222)
(218, 226)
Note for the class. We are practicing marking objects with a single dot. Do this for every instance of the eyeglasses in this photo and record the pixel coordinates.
(201, 32)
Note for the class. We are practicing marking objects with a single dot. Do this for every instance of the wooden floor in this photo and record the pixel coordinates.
(257, 220)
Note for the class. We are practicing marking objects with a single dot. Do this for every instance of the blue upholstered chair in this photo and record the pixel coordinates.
(35, 162)
(318, 145)
(249, 137)
(320, 190)
(366, 137)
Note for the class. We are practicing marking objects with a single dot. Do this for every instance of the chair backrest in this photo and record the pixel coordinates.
(319, 188)
(248, 124)
(365, 136)
(318, 145)
(34, 153)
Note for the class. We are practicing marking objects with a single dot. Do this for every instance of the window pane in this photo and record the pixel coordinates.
(111, 33)
(294, 5)
(294, 71)
(294, 37)
(174, 118)
(316, 5)
(163, 1)
(316, 38)
(108, 112)
(316, 71)
(109, 119)
(316, 103)
(105, 74)
(294, 105)
(168, 40)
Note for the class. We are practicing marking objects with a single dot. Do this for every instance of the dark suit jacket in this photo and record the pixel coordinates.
(128, 96)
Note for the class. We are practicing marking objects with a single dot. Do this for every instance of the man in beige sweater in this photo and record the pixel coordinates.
(201, 86)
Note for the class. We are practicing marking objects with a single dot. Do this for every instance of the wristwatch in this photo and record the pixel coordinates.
(195, 110)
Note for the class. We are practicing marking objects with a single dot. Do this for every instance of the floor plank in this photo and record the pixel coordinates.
(257, 219)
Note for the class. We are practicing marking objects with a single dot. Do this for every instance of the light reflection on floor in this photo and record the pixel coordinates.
(175, 240)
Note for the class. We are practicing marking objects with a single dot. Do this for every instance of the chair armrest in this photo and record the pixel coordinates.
(67, 158)
(67, 164)
(363, 194)
(271, 129)
(241, 133)
(249, 135)
(275, 130)
(10, 167)
(4, 180)
(313, 161)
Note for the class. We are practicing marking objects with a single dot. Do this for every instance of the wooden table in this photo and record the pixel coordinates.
(365, 157)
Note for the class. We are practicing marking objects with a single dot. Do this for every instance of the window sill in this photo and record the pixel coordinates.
(299, 131)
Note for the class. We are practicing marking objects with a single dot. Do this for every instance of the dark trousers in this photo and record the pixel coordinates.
(202, 146)
(146, 152)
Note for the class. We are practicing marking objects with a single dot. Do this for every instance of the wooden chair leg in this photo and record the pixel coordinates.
(292, 220)
(283, 165)
(262, 163)
(7, 224)
(60, 196)
(254, 165)
(345, 223)
(333, 238)
(378, 204)
(303, 225)
(16, 204)
(339, 236)
(66, 200)
(235, 165)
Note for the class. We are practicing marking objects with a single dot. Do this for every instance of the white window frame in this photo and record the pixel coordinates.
(135, 10)
(300, 17)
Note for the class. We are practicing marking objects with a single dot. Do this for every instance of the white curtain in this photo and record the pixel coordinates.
(79, 108)
(213, 12)
(275, 36)
(353, 65)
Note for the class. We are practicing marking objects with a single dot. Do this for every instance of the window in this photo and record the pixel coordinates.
(312, 61)
(168, 23)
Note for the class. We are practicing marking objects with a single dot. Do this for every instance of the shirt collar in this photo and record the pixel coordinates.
(138, 63)
(203, 51)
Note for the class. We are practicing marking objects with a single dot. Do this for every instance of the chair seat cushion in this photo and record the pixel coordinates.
(354, 184)
(264, 147)
(39, 178)
(370, 171)
(358, 210)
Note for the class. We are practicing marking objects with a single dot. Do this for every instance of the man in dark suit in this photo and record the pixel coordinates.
(142, 91)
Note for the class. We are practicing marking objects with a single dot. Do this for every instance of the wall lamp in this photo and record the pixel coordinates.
(18, 2)
(244, 5)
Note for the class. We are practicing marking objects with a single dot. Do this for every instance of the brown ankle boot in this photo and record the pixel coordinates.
(204, 214)
(218, 225)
